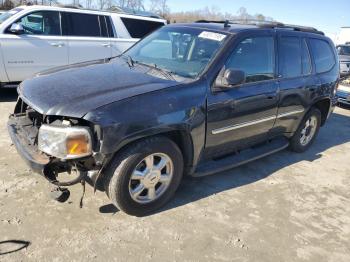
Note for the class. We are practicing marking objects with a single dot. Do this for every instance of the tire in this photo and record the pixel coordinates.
(120, 187)
(296, 144)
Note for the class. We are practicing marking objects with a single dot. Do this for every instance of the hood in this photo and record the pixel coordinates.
(74, 91)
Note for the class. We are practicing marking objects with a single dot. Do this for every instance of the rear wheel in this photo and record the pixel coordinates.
(144, 176)
(307, 131)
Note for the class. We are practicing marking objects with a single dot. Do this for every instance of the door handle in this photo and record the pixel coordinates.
(59, 44)
(106, 45)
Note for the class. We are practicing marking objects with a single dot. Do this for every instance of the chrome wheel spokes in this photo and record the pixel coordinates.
(309, 130)
(151, 178)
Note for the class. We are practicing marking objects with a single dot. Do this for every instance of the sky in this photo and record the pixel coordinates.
(325, 15)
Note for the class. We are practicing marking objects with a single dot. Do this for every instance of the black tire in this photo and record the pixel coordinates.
(118, 174)
(295, 141)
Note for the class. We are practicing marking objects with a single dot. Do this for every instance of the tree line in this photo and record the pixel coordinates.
(159, 7)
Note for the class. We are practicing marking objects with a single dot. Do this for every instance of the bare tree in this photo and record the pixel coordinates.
(159, 7)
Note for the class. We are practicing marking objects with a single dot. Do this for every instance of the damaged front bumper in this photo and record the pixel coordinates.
(19, 129)
(24, 136)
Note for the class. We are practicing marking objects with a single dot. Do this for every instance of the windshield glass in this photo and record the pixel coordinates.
(8, 14)
(180, 51)
(344, 50)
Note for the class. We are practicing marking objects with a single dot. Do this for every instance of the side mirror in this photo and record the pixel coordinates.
(16, 29)
(229, 78)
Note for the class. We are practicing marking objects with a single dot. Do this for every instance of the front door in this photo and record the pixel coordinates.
(242, 115)
(39, 48)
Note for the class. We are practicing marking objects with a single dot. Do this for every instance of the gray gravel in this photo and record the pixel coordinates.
(286, 207)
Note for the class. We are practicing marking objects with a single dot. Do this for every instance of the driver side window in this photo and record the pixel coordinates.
(255, 57)
(41, 23)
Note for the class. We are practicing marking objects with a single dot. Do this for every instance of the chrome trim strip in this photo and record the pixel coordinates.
(250, 123)
(238, 126)
(290, 113)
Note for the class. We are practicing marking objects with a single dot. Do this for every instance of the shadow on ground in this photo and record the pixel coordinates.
(12, 246)
(335, 132)
(8, 95)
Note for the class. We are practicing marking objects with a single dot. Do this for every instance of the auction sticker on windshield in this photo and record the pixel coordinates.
(212, 36)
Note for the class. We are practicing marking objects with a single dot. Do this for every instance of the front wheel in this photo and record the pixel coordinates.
(307, 131)
(144, 176)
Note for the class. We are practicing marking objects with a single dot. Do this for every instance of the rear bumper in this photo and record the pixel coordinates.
(29, 152)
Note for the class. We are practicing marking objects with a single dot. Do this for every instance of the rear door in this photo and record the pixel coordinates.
(241, 116)
(39, 48)
(296, 81)
(87, 37)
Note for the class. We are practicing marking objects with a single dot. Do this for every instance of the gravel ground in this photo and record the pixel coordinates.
(286, 207)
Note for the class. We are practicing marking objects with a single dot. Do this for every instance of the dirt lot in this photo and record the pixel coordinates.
(287, 207)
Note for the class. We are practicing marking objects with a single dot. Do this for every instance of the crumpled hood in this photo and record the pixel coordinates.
(76, 90)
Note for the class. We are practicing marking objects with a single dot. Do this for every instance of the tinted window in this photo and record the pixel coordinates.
(81, 25)
(140, 28)
(290, 56)
(41, 23)
(323, 55)
(305, 58)
(255, 56)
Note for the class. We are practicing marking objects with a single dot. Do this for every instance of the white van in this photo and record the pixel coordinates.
(37, 38)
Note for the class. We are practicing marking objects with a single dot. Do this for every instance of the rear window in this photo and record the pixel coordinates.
(290, 56)
(81, 25)
(140, 28)
(323, 55)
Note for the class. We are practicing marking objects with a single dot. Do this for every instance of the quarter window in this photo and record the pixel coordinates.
(140, 28)
(254, 56)
(323, 55)
(41, 23)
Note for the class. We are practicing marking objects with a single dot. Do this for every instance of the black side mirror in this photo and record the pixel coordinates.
(16, 29)
(229, 78)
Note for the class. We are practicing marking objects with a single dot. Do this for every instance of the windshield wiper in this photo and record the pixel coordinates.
(168, 74)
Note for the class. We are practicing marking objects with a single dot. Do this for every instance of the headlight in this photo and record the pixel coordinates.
(65, 142)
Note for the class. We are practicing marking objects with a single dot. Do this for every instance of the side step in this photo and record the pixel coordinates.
(245, 156)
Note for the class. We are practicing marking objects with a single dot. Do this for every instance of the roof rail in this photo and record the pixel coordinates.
(115, 9)
(265, 24)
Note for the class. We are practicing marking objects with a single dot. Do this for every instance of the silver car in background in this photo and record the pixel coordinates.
(344, 58)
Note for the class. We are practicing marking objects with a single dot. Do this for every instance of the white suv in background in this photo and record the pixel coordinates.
(37, 38)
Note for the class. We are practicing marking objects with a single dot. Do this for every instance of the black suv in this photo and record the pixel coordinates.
(192, 99)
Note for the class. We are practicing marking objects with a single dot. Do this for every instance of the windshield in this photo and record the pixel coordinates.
(343, 50)
(8, 14)
(180, 51)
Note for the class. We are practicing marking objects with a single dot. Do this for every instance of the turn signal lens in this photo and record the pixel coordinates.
(78, 145)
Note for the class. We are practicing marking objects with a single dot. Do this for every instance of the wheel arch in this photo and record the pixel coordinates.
(324, 106)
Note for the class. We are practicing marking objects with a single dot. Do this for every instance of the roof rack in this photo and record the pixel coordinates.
(116, 9)
(265, 24)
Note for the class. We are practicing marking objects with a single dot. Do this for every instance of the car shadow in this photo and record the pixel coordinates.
(8, 95)
(12, 246)
(335, 132)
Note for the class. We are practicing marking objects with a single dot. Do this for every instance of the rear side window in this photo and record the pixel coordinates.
(75, 24)
(255, 56)
(106, 27)
(323, 55)
(140, 28)
(305, 58)
(290, 56)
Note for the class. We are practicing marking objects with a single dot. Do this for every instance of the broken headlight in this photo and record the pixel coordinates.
(65, 142)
